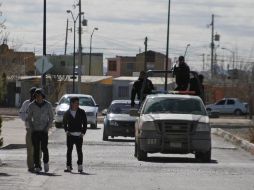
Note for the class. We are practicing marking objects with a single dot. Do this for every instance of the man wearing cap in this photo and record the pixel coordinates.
(40, 118)
(23, 112)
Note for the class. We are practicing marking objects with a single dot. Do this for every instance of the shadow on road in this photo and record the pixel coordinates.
(13, 146)
(121, 140)
(48, 174)
(82, 173)
(94, 128)
(4, 175)
(158, 159)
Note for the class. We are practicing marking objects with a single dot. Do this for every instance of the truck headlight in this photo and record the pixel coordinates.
(148, 126)
(113, 123)
(203, 127)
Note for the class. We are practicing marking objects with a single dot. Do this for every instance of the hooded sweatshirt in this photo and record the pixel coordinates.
(40, 116)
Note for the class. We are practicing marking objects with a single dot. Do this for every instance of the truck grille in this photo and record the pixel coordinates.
(175, 132)
(126, 123)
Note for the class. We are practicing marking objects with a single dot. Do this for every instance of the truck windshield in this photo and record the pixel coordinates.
(174, 105)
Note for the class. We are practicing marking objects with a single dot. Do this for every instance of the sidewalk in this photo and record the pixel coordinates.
(13, 131)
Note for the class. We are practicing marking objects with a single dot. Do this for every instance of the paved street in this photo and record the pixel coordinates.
(111, 165)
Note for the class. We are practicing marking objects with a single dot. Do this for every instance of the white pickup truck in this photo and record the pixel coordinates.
(172, 124)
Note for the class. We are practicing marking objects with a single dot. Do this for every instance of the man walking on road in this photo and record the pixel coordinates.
(40, 118)
(23, 112)
(75, 126)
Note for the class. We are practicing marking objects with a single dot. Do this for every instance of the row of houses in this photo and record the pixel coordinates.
(23, 63)
(116, 83)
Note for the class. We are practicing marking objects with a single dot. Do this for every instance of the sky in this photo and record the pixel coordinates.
(124, 24)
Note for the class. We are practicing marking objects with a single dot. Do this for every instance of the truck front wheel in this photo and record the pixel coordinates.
(141, 155)
(203, 156)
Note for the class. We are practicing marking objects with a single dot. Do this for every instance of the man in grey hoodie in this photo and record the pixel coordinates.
(40, 118)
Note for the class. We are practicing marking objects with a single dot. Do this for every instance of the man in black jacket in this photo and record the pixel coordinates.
(182, 74)
(142, 87)
(75, 126)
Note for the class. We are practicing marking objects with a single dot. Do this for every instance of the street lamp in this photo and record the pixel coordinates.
(74, 41)
(90, 54)
(188, 45)
(233, 54)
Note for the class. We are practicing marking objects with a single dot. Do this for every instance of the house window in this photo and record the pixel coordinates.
(62, 63)
(130, 66)
(112, 66)
(123, 91)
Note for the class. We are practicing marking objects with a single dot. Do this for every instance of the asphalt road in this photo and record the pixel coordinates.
(111, 166)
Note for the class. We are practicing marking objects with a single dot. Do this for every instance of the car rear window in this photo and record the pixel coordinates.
(174, 105)
(120, 108)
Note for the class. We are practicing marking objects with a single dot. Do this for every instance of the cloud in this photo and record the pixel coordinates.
(123, 25)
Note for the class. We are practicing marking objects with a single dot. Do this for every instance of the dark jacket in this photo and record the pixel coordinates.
(182, 74)
(77, 124)
(137, 87)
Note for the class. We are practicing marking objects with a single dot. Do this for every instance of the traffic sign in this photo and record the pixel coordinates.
(43, 65)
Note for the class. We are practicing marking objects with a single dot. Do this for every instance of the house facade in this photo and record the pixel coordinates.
(128, 66)
(63, 64)
(16, 63)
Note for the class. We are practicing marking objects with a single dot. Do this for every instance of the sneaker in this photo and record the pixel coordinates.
(46, 167)
(80, 168)
(31, 170)
(37, 170)
(68, 169)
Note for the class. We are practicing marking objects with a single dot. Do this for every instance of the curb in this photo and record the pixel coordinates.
(244, 144)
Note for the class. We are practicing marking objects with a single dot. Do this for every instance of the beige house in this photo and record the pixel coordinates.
(121, 66)
(128, 66)
(15, 63)
(63, 64)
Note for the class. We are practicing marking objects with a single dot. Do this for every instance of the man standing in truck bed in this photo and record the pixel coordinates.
(142, 87)
(182, 74)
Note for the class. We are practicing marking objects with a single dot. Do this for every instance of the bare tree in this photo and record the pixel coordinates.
(56, 87)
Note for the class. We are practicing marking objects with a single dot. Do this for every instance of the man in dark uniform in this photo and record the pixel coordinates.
(182, 74)
(142, 87)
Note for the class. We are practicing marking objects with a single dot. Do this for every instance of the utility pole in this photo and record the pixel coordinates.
(80, 49)
(203, 61)
(66, 36)
(145, 63)
(212, 47)
(43, 76)
(167, 51)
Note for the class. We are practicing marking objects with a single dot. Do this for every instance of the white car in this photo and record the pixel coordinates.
(229, 106)
(173, 124)
(86, 102)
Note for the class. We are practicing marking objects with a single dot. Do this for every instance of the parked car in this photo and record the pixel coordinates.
(172, 124)
(117, 121)
(86, 102)
(229, 106)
